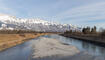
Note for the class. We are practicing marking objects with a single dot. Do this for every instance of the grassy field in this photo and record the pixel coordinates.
(10, 40)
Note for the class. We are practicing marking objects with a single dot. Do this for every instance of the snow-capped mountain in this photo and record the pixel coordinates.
(11, 23)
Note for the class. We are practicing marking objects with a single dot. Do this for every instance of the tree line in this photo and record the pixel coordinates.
(16, 31)
(87, 31)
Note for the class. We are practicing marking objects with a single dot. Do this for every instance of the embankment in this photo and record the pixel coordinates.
(88, 38)
(10, 40)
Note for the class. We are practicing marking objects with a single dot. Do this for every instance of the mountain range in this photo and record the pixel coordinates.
(9, 22)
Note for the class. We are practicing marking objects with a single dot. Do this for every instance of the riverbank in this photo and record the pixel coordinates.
(10, 40)
(95, 39)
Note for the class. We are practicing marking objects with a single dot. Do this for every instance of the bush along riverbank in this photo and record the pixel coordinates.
(88, 34)
(10, 40)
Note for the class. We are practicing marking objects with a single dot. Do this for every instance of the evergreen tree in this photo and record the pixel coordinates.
(93, 30)
(86, 30)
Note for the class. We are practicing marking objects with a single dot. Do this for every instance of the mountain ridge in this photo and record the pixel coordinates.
(13, 23)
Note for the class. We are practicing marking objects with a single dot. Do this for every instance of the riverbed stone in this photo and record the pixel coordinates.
(53, 49)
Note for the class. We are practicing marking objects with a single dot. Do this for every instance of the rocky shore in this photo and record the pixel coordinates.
(52, 49)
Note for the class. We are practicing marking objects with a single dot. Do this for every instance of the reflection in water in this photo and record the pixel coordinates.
(81, 45)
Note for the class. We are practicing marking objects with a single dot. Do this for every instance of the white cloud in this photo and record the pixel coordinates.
(81, 14)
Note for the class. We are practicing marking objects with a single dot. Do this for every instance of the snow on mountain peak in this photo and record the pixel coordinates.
(32, 24)
(3, 16)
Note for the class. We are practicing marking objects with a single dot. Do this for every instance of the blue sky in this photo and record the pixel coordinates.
(77, 12)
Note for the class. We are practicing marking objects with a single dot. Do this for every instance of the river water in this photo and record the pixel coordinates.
(23, 51)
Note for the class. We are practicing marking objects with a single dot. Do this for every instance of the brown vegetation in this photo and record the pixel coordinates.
(10, 40)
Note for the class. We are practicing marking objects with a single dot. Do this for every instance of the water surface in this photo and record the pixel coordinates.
(23, 51)
(81, 45)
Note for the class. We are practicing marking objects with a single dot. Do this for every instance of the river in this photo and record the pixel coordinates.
(23, 51)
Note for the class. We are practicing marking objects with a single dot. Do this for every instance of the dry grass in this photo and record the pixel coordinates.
(10, 40)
